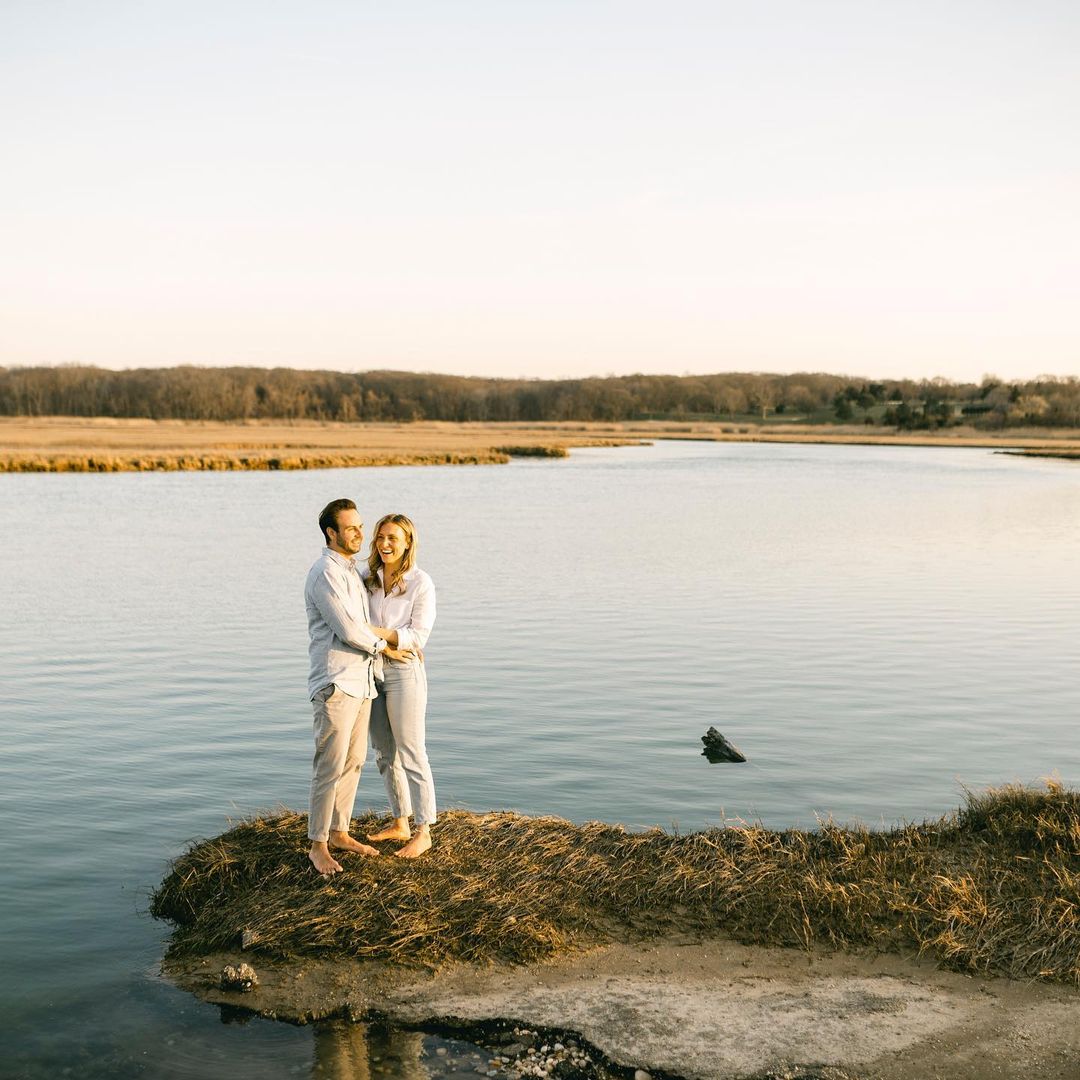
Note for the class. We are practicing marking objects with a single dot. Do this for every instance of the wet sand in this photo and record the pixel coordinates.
(708, 1009)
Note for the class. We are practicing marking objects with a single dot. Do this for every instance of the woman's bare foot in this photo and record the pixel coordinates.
(398, 829)
(342, 841)
(416, 846)
(322, 860)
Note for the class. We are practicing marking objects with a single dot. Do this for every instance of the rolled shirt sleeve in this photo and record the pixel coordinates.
(328, 596)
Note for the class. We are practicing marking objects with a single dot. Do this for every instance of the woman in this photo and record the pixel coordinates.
(403, 612)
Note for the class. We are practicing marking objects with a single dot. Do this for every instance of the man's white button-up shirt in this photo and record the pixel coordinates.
(342, 647)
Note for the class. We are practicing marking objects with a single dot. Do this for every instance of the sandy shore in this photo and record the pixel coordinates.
(704, 1009)
(36, 444)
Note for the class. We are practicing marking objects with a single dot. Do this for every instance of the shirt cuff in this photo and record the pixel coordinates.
(404, 638)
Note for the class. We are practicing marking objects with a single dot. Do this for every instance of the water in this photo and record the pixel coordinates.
(874, 626)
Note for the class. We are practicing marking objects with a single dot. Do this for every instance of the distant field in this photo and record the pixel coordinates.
(72, 444)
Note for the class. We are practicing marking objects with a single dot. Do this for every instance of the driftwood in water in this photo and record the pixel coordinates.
(718, 749)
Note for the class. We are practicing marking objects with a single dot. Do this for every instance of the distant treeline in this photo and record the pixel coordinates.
(242, 393)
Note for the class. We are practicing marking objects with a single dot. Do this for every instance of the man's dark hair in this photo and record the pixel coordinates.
(328, 518)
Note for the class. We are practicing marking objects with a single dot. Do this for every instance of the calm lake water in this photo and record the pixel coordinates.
(876, 627)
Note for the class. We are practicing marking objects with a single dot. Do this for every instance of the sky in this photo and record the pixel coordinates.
(543, 189)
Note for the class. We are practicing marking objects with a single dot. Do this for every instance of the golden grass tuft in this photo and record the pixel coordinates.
(533, 451)
(993, 888)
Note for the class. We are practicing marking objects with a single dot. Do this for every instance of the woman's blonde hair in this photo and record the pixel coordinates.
(408, 560)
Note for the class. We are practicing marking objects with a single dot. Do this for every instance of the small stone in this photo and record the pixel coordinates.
(241, 978)
(641, 1074)
(441, 1051)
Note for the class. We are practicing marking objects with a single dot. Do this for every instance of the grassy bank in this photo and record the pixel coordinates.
(993, 888)
(98, 444)
(1066, 455)
(101, 463)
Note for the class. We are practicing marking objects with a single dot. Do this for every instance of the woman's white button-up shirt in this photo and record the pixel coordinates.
(411, 614)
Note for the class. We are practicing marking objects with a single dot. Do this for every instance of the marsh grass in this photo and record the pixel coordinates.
(1066, 455)
(533, 451)
(993, 888)
(106, 444)
(108, 463)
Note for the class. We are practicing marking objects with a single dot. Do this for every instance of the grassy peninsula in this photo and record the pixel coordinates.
(110, 444)
(993, 888)
(105, 444)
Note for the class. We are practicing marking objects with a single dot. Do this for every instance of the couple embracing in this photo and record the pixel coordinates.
(367, 626)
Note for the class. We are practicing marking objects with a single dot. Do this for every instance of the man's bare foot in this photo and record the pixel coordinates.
(342, 841)
(322, 860)
(398, 829)
(416, 846)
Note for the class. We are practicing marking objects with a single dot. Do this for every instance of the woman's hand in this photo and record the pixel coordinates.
(402, 655)
(389, 636)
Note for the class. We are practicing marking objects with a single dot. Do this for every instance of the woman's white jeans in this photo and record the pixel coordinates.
(397, 734)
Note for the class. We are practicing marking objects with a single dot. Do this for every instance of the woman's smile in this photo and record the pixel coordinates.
(391, 543)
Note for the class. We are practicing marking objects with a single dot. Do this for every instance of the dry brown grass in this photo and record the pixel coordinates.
(72, 444)
(533, 451)
(1068, 455)
(994, 888)
(267, 461)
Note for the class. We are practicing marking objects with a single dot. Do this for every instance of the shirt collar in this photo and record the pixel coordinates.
(407, 576)
(349, 564)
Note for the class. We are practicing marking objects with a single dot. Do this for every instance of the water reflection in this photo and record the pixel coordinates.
(347, 1051)
(352, 1051)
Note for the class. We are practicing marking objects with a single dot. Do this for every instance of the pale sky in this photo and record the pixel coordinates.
(555, 188)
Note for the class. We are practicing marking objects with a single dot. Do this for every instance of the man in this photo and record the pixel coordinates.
(341, 683)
